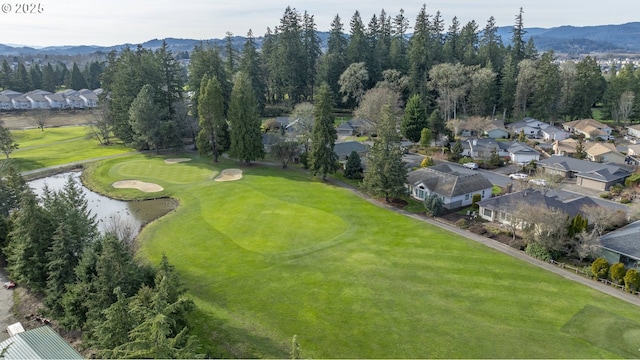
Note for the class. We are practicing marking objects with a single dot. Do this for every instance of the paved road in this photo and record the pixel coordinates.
(6, 303)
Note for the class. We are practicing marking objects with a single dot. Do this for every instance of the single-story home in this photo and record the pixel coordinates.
(589, 174)
(344, 149)
(483, 148)
(622, 245)
(566, 147)
(552, 133)
(531, 127)
(591, 129)
(38, 343)
(496, 130)
(5, 102)
(356, 127)
(455, 189)
(634, 130)
(604, 152)
(522, 153)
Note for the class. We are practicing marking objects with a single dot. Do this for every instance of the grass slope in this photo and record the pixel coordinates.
(57, 146)
(278, 253)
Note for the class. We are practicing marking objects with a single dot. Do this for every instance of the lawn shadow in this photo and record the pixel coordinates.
(220, 340)
(605, 330)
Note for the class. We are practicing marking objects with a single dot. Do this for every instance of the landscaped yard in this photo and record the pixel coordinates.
(277, 254)
(56, 146)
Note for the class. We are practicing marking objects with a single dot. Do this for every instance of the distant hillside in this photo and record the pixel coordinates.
(564, 39)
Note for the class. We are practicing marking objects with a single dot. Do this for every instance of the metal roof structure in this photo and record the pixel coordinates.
(39, 343)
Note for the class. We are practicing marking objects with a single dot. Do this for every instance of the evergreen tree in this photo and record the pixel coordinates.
(6, 75)
(517, 39)
(456, 151)
(144, 117)
(545, 102)
(353, 167)
(251, 64)
(452, 42)
(322, 158)
(414, 119)
(29, 241)
(244, 121)
(114, 330)
(491, 48)
(21, 80)
(213, 137)
(205, 59)
(7, 144)
(230, 63)
(436, 124)
(92, 72)
(49, 78)
(357, 49)
(398, 49)
(420, 59)
(311, 44)
(589, 88)
(168, 93)
(334, 62)
(425, 137)
(386, 173)
(76, 79)
(508, 87)
(36, 76)
(291, 59)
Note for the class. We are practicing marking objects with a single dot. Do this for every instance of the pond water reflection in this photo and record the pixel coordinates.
(133, 213)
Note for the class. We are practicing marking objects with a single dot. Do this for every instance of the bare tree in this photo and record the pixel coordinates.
(602, 218)
(373, 102)
(123, 229)
(41, 117)
(302, 124)
(101, 124)
(547, 227)
(624, 107)
(587, 244)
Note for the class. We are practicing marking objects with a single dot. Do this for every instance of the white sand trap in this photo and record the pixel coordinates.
(229, 175)
(137, 184)
(176, 160)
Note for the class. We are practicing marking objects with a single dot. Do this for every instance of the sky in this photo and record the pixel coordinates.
(114, 22)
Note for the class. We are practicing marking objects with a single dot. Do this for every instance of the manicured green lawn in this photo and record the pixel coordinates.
(278, 254)
(56, 146)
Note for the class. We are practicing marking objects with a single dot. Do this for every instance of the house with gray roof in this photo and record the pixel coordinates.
(344, 149)
(455, 189)
(355, 127)
(56, 101)
(37, 99)
(589, 174)
(503, 209)
(622, 245)
(531, 127)
(552, 133)
(483, 148)
(38, 343)
(496, 130)
(21, 102)
(522, 153)
(5, 102)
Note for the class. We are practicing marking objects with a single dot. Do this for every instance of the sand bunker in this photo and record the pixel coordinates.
(137, 184)
(176, 160)
(229, 175)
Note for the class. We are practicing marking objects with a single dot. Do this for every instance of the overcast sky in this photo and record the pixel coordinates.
(112, 22)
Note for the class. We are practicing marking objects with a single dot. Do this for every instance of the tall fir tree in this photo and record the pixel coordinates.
(322, 159)
(213, 138)
(251, 64)
(414, 119)
(244, 121)
(145, 119)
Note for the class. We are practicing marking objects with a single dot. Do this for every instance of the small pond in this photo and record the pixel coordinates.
(133, 213)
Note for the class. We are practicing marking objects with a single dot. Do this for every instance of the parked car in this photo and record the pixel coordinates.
(539, 182)
(471, 165)
(518, 176)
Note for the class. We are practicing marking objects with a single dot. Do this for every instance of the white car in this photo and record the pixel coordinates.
(539, 182)
(471, 165)
(518, 176)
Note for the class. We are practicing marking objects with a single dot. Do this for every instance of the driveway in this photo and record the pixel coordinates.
(6, 305)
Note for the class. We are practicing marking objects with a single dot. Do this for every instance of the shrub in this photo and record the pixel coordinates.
(617, 272)
(538, 251)
(353, 167)
(605, 196)
(475, 199)
(465, 160)
(631, 280)
(433, 204)
(600, 268)
(634, 179)
(427, 161)
(462, 223)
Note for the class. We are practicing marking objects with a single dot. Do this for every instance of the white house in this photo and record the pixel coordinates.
(532, 128)
(21, 102)
(37, 99)
(5, 103)
(496, 130)
(56, 101)
(90, 99)
(552, 133)
(455, 189)
(634, 130)
(522, 153)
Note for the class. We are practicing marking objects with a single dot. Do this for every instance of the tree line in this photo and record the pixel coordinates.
(90, 281)
(50, 76)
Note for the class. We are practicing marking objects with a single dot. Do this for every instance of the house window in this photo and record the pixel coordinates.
(483, 194)
(488, 213)
(466, 197)
(420, 193)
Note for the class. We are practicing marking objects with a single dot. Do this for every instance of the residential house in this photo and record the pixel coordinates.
(565, 147)
(604, 152)
(496, 130)
(37, 99)
(483, 148)
(21, 102)
(522, 153)
(356, 127)
(633, 150)
(89, 98)
(504, 208)
(5, 103)
(56, 101)
(344, 149)
(455, 189)
(634, 131)
(75, 102)
(38, 343)
(589, 128)
(622, 245)
(597, 176)
(552, 133)
(532, 128)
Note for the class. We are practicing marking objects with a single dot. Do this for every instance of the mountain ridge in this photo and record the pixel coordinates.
(566, 39)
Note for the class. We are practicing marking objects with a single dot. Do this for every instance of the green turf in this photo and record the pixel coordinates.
(56, 146)
(278, 254)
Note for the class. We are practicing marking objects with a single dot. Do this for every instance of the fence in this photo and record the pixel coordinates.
(589, 275)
